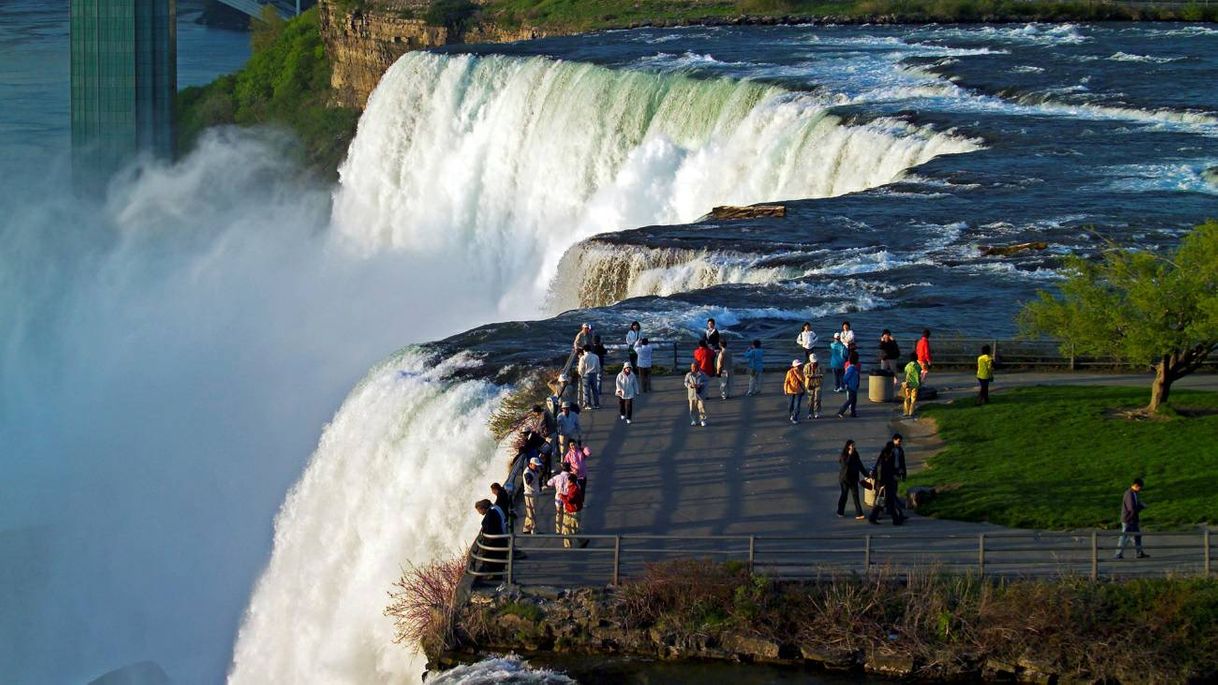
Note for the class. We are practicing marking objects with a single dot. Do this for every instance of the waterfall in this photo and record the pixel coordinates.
(513, 160)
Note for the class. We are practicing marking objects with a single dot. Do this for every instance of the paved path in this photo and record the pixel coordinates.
(751, 472)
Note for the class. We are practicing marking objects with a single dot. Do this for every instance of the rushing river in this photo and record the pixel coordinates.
(174, 352)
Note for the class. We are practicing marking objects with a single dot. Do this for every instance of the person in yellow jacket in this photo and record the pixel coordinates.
(985, 374)
(793, 386)
(913, 381)
(814, 377)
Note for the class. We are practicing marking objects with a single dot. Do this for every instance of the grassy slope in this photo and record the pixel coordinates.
(1050, 457)
(287, 83)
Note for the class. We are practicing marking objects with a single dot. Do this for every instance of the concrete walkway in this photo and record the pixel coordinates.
(750, 472)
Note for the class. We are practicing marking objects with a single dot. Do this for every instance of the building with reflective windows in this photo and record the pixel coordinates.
(124, 78)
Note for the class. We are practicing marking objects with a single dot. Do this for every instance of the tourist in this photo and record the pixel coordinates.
(755, 358)
(573, 506)
(885, 476)
(793, 387)
(590, 371)
(568, 427)
(814, 378)
(898, 453)
(913, 381)
(576, 458)
(627, 389)
(695, 387)
(705, 358)
(633, 335)
(806, 340)
(645, 353)
(503, 502)
(492, 525)
(922, 349)
(532, 488)
(985, 374)
(583, 338)
(847, 335)
(849, 470)
(711, 336)
(850, 380)
(1131, 516)
(723, 367)
(890, 356)
(559, 482)
(602, 353)
(837, 361)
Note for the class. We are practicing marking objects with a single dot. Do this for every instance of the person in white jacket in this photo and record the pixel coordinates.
(644, 349)
(590, 372)
(627, 390)
(806, 340)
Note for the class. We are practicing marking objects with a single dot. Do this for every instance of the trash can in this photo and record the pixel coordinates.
(879, 385)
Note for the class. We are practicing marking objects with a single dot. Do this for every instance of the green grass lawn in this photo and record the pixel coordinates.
(1057, 458)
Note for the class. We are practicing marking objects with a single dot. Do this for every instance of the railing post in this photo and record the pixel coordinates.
(675, 365)
(511, 557)
(617, 558)
(752, 551)
(1071, 356)
(981, 554)
(1205, 548)
(995, 350)
(867, 553)
(1095, 555)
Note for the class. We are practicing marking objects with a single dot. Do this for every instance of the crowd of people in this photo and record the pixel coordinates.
(553, 429)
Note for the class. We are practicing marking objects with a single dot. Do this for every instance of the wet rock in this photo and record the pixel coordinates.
(1008, 250)
(828, 658)
(890, 664)
(731, 213)
(755, 647)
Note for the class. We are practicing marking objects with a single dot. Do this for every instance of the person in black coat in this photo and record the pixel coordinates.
(503, 500)
(885, 475)
(849, 469)
(899, 455)
(492, 524)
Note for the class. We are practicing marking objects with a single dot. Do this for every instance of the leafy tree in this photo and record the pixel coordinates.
(1140, 307)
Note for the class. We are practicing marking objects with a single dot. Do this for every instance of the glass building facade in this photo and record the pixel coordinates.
(124, 78)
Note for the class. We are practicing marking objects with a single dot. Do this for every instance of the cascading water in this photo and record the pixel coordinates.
(515, 160)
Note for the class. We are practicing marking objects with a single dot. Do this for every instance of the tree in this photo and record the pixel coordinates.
(1140, 307)
(266, 28)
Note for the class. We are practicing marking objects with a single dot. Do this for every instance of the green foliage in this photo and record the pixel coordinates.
(525, 610)
(454, 15)
(266, 29)
(1060, 458)
(286, 82)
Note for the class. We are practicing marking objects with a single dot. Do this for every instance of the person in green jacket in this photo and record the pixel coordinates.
(913, 381)
(985, 374)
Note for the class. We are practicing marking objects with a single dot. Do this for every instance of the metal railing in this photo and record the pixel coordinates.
(542, 560)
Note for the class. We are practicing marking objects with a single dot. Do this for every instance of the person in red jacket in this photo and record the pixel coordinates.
(705, 358)
(573, 507)
(922, 349)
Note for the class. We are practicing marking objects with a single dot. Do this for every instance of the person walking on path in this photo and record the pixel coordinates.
(492, 524)
(695, 390)
(849, 470)
(532, 488)
(985, 374)
(837, 361)
(850, 379)
(814, 378)
(793, 388)
(627, 389)
(1131, 517)
(898, 454)
(559, 482)
(704, 357)
(885, 475)
(577, 458)
(633, 335)
(723, 367)
(590, 371)
(573, 507)
(806, 340)
(754, 357)
(913, 381)
(568, 427)
(644, 350)
(890, 356)
(847, 335)
(922, 350)
(711, 335)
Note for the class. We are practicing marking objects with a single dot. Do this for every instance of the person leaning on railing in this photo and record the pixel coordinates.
(492, 524)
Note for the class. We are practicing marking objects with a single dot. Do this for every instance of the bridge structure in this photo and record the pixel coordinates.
(285, 8)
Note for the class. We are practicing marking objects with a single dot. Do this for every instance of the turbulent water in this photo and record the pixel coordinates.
(173, 350)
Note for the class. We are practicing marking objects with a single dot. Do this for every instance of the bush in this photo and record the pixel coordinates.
(454, 15)
(422, 604)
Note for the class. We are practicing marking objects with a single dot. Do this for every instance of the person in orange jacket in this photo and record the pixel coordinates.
(793, 386)
(705, 358)
(922, 350)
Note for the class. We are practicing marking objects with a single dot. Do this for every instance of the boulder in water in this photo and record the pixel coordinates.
(729, 212)
(139, 673)
(1210, 176)
(1008, 250)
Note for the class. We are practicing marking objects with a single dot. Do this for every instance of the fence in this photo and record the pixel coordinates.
(610, 559)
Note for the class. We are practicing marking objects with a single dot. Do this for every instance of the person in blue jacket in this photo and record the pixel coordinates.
(754, 357)
(850, 378)
(837, 361)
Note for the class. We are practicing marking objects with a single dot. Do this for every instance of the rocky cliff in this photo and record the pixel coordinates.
(363, 39)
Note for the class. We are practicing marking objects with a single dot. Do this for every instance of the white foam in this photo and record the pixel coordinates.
(1128, 57)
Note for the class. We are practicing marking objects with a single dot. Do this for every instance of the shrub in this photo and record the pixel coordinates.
(422, 604)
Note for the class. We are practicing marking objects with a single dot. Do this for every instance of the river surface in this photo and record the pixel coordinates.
(184, 482)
